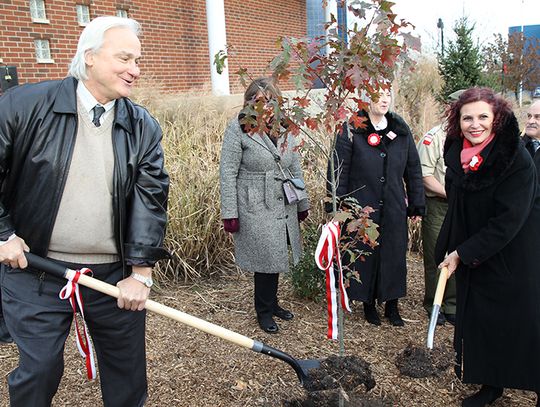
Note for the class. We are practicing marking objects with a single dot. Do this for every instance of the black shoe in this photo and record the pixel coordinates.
(392, 313)
(451, 318)
(283, 314)
(371, 314)
(440, 318)
(485, 396)
(268, 325)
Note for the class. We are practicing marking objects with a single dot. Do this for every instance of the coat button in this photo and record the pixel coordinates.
(286, 216)
(280, 198)
(382, 179)
(383, 155)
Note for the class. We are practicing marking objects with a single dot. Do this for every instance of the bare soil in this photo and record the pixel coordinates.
(190, 368)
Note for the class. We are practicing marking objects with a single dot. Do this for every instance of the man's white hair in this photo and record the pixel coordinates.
(91, 39)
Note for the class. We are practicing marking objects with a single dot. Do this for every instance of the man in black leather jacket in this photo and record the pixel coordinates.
(82, 182)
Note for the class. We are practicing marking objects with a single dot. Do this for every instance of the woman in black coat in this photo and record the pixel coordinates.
(490, 239)
(379, 166)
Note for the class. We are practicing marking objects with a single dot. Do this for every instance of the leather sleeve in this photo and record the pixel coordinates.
(147, 205)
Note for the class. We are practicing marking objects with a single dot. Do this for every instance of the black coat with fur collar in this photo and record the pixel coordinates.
(388, 177)
(493, 222)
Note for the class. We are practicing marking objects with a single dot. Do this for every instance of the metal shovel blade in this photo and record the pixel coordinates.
(437, 301)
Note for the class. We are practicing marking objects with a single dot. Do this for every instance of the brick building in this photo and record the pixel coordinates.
(39, 37)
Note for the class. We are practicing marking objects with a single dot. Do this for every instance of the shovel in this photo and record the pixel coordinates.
(437, 301)
(301, 367)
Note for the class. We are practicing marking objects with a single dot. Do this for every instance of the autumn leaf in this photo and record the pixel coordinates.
(342, 216)
(357, 121)
(388, 57)
(412, 42)
(356, 75)
(302, 101)
(312, 123)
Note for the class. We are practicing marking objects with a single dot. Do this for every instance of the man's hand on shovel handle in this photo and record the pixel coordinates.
(12, 253)
(133, 293)
(452, 262)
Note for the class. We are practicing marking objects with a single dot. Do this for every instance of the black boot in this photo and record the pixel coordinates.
(392, 313)
(485, 396)
(371, 314)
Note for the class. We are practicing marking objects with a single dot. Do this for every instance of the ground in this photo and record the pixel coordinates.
(189, 368)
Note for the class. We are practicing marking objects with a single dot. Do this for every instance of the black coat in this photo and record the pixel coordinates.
(493, 222)
(377, 176)
(534, 154)
(38, 126)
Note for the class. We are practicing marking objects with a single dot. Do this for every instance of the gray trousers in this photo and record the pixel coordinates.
(431, 225)
(39, 322)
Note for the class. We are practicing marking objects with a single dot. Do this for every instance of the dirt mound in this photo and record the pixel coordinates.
(330, 398)
(421, 362)
(347, 372)
(339, 375)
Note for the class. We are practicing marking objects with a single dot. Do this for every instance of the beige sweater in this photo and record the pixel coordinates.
(84, 231)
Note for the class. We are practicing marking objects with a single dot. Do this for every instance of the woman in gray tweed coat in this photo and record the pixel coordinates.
(254, 208)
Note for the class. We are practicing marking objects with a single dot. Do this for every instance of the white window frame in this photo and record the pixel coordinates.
(38, 12)
(83, 14)
(43, 51)
(122, 12)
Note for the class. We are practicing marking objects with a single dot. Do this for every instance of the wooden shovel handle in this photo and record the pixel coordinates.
(113, 291)
(441, 285)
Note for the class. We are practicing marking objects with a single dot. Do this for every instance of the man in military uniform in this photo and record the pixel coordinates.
(430, 149)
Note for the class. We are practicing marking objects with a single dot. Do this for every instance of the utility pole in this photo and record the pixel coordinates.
(440, 26)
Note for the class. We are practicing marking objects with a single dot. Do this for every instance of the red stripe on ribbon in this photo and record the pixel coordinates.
(84, 345)
(326, 254)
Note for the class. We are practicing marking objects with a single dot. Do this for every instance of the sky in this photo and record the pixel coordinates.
(489, 16)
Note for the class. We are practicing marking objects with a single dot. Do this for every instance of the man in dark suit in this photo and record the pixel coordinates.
(532, 133)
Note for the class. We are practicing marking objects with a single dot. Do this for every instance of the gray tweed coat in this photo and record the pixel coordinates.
(251, 190)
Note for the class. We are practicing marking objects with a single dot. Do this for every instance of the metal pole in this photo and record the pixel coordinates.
(217, 41)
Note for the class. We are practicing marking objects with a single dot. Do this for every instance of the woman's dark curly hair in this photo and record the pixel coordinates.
(502, 110)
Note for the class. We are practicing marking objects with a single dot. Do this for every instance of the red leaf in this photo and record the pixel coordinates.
(388, 57)
(358, 121)
(312, 123)
(302, 101)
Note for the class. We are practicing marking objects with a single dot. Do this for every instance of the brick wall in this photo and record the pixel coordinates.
(253, 26)
(174, 40)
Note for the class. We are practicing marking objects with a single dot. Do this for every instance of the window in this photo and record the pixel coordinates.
(37, 11)
(120, 12)
(43, 51)
(83, 14)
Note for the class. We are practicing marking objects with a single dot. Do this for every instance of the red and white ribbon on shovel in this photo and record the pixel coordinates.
(71, 292)
(326, 253)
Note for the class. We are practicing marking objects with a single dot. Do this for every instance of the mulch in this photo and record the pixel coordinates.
(189, 368)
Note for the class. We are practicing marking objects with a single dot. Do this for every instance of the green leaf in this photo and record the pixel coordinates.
(219, 61)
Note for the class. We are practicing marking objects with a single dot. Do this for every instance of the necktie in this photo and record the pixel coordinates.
(98, 111)
(536, 144)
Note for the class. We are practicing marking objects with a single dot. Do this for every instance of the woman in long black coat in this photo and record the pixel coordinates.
(379, 166)
(490, 238)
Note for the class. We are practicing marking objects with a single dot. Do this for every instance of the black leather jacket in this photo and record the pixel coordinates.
(38, 126)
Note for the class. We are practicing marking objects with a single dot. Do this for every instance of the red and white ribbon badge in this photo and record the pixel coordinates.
(326, 253)
(71, 292)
